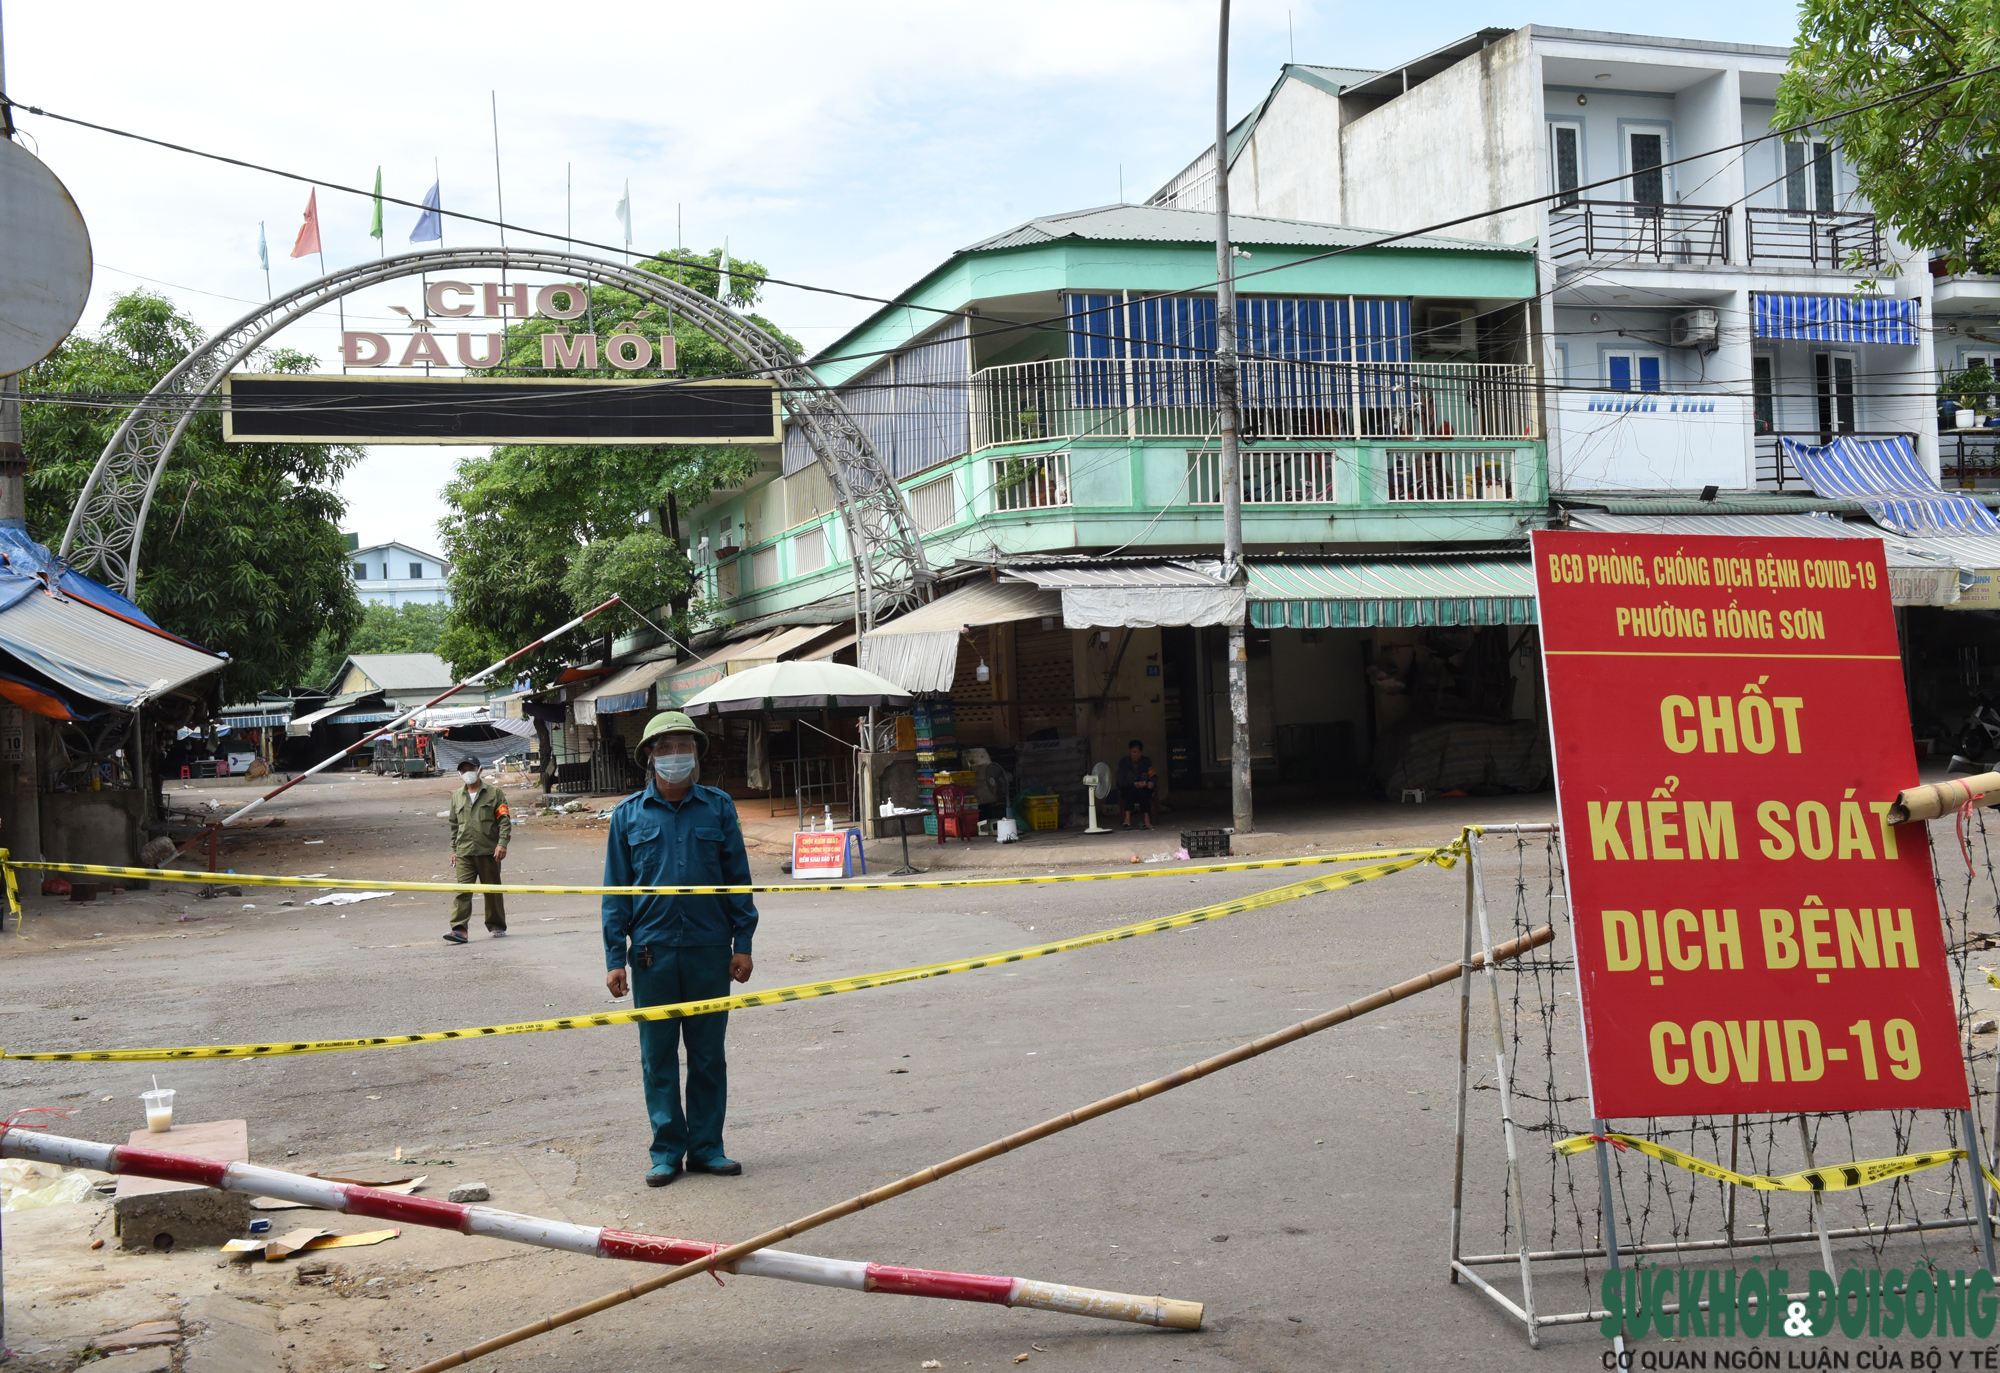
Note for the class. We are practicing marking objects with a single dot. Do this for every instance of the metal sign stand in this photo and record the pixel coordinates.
(1464, 1266)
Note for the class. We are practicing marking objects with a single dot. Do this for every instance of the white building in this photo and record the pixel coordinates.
(1691, 313)
(397, 574)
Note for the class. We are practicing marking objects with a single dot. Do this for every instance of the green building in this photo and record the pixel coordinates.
(1045, 400)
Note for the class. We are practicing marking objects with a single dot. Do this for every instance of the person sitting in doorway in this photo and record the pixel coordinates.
(1137, 781)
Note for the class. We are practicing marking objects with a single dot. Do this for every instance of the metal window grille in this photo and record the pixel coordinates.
(808, 551)
(1038, 482)
(1449, 474)
(934, 505)
(1270, 476)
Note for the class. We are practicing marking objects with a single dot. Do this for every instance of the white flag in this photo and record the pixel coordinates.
(722, 280)
(625, 215)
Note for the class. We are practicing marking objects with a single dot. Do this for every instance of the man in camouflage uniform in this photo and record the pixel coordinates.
(480, 829)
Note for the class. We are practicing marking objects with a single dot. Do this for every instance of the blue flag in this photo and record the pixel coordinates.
(263, 253)
(430, 225)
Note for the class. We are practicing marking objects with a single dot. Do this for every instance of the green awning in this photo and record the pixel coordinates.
(1356, 593)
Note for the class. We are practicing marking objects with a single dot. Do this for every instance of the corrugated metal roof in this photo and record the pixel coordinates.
(1669, 504)
(1967, 550)
(635, 678)
(1331, 594)
(1918, 574)
(832, 611)
(1812, 526)
(302, 725)
(1159, 224)
(97, 655)
(403, 671)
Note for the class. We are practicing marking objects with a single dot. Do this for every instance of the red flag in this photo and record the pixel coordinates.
(309, 231)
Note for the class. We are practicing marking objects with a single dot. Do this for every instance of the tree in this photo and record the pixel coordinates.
(242, 551)
(538, 534)
(414, 628)
(1926, 162)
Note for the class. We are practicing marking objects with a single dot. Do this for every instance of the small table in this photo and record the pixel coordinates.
(899, 814)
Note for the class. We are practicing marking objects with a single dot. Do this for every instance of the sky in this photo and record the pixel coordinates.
(850, 145)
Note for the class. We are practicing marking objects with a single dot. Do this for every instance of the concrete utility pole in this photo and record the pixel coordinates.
(20, 801)
(1232, 473)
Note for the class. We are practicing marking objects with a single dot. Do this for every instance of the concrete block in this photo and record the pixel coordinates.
(150, 1214)
(469, 1192)
(180, 1220)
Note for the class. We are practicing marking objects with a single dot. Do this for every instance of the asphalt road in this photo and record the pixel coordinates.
(1304, 1197)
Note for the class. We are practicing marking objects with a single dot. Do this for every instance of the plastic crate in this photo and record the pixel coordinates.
(1206, 843)
(931, 824)
(1040, 811)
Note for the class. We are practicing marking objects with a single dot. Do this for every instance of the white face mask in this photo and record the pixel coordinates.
(675, 768)
(470, 778)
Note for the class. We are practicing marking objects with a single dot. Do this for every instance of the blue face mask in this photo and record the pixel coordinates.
(675, 768)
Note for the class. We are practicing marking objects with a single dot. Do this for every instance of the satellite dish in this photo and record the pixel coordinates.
(45, 262)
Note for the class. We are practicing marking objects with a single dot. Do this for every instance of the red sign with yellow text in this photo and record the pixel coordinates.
(1730, 728)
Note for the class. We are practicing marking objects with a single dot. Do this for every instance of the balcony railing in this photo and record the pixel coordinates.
(1148, 398)
(1628, 230)
(1824, 239)
(1969, 459)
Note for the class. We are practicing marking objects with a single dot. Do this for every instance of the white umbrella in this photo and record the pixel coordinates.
(818, 685)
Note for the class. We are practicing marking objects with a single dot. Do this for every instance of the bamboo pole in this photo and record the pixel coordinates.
(1131, 1096)
(1941, 798)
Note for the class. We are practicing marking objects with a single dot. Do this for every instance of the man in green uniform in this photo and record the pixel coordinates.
(480, 829)
(677, 833)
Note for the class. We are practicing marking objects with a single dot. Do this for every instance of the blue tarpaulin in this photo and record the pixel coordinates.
(24, 556)
(1885, 476)
(1834, 319)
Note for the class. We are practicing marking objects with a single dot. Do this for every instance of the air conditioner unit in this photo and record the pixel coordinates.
(1449, 329)
(1695, 329)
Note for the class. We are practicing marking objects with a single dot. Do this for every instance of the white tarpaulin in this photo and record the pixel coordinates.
(919, 652)
(1139, 595)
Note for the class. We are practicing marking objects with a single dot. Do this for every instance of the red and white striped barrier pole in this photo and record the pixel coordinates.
(593, 1241)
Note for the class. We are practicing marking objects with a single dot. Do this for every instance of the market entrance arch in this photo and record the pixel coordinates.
(107, 526)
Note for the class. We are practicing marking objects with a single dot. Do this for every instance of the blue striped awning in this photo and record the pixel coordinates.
(229, 722)
(1399, 592)
(1834, 319)
(1892, 486)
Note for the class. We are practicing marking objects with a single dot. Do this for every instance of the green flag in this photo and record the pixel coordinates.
(375, 225)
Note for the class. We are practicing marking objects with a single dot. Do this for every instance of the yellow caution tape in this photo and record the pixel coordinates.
(1839, 1178)
(802, 992)
(1444, 857)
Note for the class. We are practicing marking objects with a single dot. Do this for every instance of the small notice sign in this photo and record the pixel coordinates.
(1730, 727)
(823, 853)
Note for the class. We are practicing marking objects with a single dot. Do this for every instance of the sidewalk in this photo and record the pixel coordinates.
(1283, 830)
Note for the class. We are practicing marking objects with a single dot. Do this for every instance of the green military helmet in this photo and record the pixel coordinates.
(670, 722)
